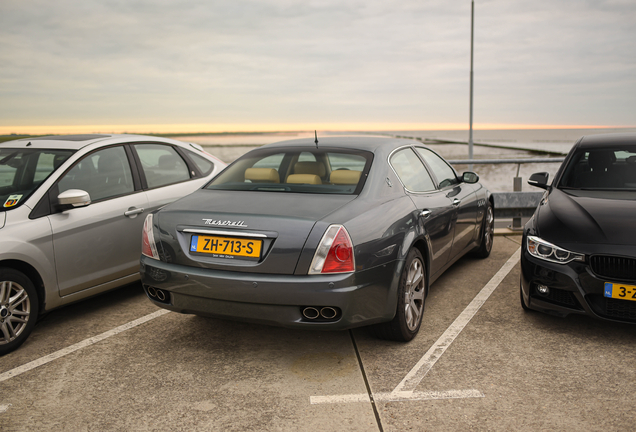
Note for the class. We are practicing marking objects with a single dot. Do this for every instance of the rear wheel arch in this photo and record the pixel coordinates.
(411, 300)
(29, 271)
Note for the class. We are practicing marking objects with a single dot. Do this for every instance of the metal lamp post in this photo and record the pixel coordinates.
(470, 131)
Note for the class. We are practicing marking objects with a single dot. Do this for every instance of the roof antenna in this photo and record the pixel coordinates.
(316, 135)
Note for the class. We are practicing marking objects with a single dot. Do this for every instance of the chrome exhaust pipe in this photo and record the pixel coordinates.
(152, 292)
(311, 313)
(328, 312)
(161, 295)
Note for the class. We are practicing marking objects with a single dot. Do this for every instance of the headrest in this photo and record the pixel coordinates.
(109, 162)
(316, 168)
(601, 159)
(345, 177)
(262, 175)
(304, 179)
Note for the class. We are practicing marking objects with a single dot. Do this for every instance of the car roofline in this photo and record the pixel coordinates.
(367, 143)
(78, 142)
(607, 140)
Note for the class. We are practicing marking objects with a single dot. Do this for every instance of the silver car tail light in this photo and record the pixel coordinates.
(148, 245)
(334, 253)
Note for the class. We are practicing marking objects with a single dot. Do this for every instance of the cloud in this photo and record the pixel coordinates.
(289, 61)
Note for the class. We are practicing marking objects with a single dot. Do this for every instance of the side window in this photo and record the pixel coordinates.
(411, 171)
(445, 174)
(162, 165)
(204, 165)
(103, 174)
(306, 157)
(339, 161)
(272, 161)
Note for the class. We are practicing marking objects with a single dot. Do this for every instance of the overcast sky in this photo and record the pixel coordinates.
(303, 62)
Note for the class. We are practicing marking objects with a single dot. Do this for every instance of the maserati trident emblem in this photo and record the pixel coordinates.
(226, 223)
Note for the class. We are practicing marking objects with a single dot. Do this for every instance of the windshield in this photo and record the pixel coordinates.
(603, 168)
(297, 170)
(23, 170)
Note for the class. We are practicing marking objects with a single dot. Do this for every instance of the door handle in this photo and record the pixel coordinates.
(456, 202)
(425, 213)
(132, 212)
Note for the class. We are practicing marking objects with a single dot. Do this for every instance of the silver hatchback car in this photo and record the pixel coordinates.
(72, 212)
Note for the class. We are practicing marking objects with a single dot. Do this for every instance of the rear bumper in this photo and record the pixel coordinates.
(363, 298)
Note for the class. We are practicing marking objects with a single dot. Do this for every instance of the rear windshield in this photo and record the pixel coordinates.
(22, 171)
(601, 169)
(297, 170)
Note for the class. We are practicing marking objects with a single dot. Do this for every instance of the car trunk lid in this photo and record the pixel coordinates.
(227, 228)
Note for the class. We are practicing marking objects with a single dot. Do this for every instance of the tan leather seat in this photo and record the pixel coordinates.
(303, 179)
(307, 167)
(345, 177)
(262, 175)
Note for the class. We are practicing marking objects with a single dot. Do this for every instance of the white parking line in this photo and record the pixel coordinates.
(83, 344)
(405, 389)
(396, 397)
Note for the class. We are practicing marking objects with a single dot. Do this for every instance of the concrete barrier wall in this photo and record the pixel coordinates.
(516, 204)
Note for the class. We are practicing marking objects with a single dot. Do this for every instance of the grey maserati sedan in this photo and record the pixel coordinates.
(71, 214)
(324, 234)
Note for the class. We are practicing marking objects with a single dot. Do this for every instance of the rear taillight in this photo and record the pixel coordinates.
(148, 246)
(334, 253)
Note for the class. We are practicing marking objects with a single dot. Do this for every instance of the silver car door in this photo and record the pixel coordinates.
(101, 242)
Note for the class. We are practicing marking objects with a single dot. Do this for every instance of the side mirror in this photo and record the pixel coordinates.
(73, 198)
(470, 177)
(539, 180)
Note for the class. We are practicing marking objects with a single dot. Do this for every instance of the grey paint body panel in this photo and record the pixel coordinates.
(384, 222)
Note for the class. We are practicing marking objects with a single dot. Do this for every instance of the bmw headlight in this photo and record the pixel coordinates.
(547, 251)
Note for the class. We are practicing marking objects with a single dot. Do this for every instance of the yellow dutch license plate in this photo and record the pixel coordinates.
(226, 247)
(620, 291)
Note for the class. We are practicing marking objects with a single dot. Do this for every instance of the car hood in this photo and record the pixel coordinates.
(587, 217)
(284, 220)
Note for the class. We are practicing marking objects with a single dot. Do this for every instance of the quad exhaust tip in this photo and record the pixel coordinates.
(158, 294)
(321, 313)
(311, 313)
(328, 312)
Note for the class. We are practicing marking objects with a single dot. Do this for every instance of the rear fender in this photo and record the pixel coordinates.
(417, 237)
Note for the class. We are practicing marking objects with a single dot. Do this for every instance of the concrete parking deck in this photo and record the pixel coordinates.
(480, 362)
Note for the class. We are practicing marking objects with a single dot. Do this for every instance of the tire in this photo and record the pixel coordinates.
(487, 233)
(410, 304)
(19, 309)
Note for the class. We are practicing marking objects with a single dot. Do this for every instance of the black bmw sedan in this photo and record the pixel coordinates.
(341, 233)
(579, 248)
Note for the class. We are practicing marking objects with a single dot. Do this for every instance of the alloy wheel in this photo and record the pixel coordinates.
(414, 295)
(15, 309)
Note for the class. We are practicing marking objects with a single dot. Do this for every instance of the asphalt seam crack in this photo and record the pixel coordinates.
(366, 383)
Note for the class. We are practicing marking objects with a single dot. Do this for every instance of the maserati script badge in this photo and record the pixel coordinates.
(225, 223)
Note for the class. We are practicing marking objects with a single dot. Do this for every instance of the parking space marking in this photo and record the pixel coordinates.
(405, 390)
(396, 397)
(83, 344)
(419, 371)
